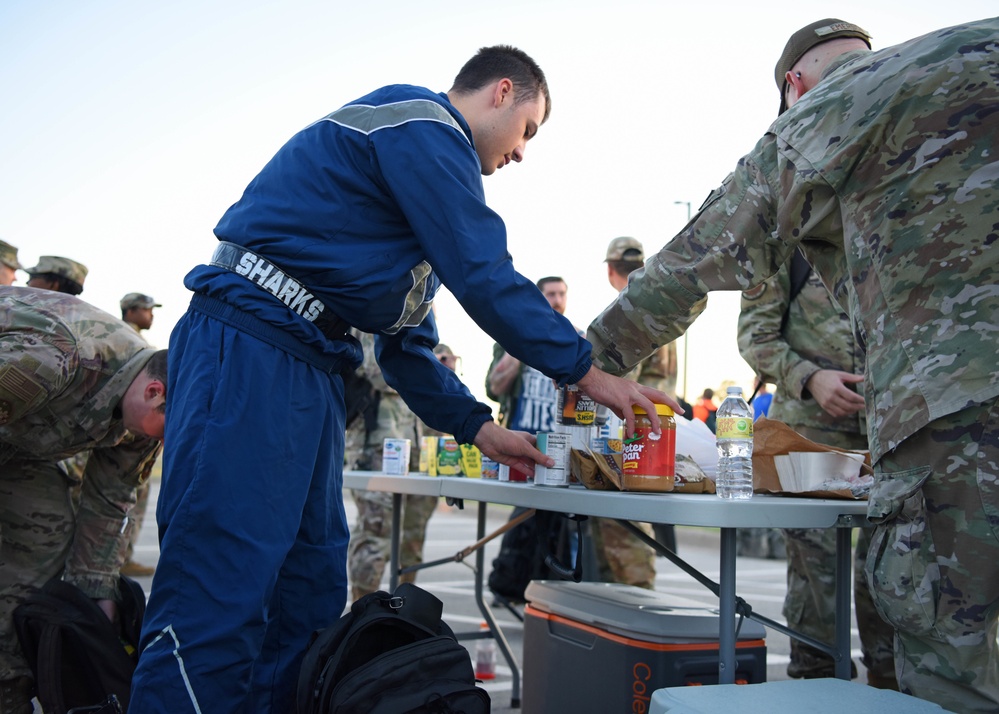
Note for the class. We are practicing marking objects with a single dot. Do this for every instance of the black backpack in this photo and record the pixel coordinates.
(537, 549)
(391, 654)
(77, 655)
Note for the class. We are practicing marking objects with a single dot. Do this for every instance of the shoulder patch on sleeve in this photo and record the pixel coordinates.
(755, 293)
(18, 392)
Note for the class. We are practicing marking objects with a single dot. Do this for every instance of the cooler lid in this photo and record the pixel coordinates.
(633, 612)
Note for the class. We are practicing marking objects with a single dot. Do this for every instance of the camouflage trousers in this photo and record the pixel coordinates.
(933, 564)
(36, 531)
(621, 557)
(370, 540)
(810, 603)
(810, 606)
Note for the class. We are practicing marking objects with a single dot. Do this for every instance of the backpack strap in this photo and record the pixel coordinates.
(800, 270)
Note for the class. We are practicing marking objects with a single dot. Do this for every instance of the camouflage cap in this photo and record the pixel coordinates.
(441, 349)
(808, 37)
(8, 256)
(138, 300)
(70, 269)
(625, 248)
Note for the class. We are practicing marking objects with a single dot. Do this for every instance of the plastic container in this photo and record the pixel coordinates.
(648, 461)
(734, 432)
(485, 655)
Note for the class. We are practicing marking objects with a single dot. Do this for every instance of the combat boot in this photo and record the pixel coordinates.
(16, 694)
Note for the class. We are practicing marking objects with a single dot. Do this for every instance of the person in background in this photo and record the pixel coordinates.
(762, 397)
(705, 408)
(356, 222)
(137, 313)
(882, 168)
(9, 264)
(803, 341)
(527, 398)
(137, 310)
(370, 539)
(61, 275)
(620, 555)
(72, 377)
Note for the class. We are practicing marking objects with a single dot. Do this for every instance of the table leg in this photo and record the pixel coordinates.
(843, 589)
(487, 613)
(394, 560)
(726, 608)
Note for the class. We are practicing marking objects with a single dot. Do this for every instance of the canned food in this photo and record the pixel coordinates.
(649, 459)
(395, 457)
(575, 407)
(505, 473)
(557, 446)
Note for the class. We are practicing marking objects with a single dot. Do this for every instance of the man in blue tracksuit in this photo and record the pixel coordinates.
(355, 222)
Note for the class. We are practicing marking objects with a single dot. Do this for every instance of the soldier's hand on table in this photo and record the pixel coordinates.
(620, 395)
(831, 390)
(516, 449)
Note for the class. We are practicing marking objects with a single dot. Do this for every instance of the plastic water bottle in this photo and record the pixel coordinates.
(485, 655)
(734, 429)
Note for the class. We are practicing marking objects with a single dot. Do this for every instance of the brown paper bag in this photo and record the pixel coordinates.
(772, 437)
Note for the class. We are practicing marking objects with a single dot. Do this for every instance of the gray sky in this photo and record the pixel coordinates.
(129, 127)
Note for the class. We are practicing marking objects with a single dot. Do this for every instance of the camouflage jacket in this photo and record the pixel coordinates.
(886, 173)
(816, 335)
(64, 367)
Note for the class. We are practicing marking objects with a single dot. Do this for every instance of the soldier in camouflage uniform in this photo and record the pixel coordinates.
(621, 557)
(137, 313)
(370, 542)
(61, 275)
(885, 173)
(9, 264)
(804, 344)
(71, 378)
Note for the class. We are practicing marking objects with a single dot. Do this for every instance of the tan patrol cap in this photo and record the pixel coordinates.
(8, 256)
(137, 300)
(64, 267)
(808, 37)
(625, 248)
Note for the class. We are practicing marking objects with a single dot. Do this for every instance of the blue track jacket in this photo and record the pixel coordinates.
(373, 207)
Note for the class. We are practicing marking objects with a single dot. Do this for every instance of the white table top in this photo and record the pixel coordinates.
(683, 509)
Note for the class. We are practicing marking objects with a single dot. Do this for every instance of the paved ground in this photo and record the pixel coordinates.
(760, 582)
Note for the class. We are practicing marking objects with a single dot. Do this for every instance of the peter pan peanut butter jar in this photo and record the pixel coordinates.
(649, 459)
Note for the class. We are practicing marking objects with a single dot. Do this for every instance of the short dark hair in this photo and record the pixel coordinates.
(503, 61)
(550, 279)
(156, 368)
(624, 268)
(65, 285)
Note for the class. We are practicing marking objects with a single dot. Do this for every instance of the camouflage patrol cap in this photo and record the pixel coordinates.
(8, 256)
(64, 267)
(808, 37)
(137, 300)
(625, 248)
(441, 349)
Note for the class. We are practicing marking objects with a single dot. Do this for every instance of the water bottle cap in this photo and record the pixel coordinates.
(735, 390)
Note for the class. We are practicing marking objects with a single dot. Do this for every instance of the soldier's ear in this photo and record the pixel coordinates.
(154, 390)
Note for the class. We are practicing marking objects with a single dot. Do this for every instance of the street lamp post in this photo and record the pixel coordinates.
(685, 338)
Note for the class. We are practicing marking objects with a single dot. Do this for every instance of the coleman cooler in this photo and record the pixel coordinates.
(605, 647)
